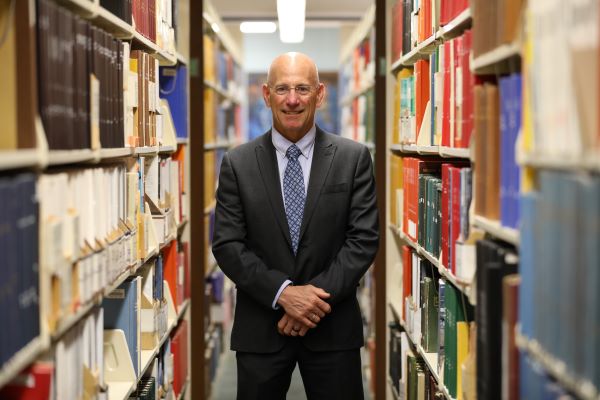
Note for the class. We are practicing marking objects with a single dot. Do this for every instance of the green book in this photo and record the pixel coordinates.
(430, 317)
(422, 209)
(437, 219)
(457, 309)
(412, 377)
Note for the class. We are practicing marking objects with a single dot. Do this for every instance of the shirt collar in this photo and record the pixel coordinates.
(305, 144)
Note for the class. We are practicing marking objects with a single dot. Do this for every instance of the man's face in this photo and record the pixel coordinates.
(293, 95)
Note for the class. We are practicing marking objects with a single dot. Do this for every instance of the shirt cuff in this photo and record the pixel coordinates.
(283, 286)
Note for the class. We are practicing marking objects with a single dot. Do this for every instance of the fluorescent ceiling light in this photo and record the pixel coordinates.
(215, 27)
(291, 20)
(258, 27)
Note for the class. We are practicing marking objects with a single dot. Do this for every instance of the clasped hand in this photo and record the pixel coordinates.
(304, 307)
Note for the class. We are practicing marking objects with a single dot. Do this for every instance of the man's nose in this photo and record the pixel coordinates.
(292, 98)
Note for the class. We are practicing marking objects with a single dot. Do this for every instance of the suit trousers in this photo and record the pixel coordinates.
(327, 375)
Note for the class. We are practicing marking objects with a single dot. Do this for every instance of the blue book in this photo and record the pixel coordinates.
(159, 277)
(5, 311)
(27, 228)
(590, 251)
(505, 153)
(514, 124)
(567, 267)
(11, 279)
(548, 237)
(121, 311)
(441, 324)
(432, 69)
(527, 254)
(174, 88)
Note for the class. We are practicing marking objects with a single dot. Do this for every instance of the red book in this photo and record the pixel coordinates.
(170, 259)
(455, 204)
(407, 166)
(456, 72)
(468, 90)
(34, 383)
(187, 285)
(406, 276)
(179, 349)
(447, 92)
(445, 213)
(152, 20)
(135, 13)
(422, 91)
(445, 11)
(411, 183)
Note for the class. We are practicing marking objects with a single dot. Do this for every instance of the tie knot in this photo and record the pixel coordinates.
(293, 152)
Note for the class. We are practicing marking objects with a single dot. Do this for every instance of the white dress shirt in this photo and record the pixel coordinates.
(306, 146)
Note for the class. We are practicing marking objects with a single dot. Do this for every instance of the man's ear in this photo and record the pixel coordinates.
(266, 92)
(321, 94)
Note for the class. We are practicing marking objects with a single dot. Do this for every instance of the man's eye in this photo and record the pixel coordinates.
(302, 89)
(282, 89)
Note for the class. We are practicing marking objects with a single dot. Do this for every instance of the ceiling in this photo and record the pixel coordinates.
(316, 10)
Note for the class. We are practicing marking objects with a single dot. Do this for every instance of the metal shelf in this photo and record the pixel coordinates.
(60, 157)
(106, 154)
(218, 145)
(495, 229)
(147, 150)
(217, 88)
(465, 287)
(494, 61)
(22, 359)
(454, 152)
(25, 158)
(431, 360)
(167, 149)
(347, 100)
(423, 50)
(587, 163)
(582, 388)
(120, 390)
(180, 58)
(425, 150)
(456, 26)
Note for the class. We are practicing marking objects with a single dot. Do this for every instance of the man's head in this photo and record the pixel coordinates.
(293, 93)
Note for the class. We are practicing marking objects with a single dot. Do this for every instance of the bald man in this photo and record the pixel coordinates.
(296, 228)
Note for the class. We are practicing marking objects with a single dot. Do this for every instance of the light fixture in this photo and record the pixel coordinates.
(291, 20)
(258, 27)
(215, 27)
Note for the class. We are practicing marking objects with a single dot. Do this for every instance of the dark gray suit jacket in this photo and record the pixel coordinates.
(338, 239)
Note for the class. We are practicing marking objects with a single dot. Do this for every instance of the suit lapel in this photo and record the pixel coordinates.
(269, 171)
(322, 157)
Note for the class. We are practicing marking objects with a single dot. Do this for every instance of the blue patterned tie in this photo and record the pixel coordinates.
(293, 193)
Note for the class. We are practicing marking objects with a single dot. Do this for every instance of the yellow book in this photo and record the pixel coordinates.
(462, 349)
(210, 115)
(209, 59)
(396, 122)
(8, 80)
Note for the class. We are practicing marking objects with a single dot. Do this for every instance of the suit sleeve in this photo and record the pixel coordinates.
(357, 253)
(241, 265)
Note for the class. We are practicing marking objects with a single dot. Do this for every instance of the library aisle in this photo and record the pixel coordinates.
(481, 118)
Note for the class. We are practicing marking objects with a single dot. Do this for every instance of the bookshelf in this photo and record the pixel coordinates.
(221, 101)
(357, 98)
(429, 131)
(357, 82)
(86, 255)
(530, 188)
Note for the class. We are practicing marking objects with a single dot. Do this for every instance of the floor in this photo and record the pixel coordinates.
(224, 386)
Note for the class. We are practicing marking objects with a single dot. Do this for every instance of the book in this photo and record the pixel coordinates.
(122, 310)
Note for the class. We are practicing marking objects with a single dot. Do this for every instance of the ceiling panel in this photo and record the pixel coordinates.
(329, 9)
